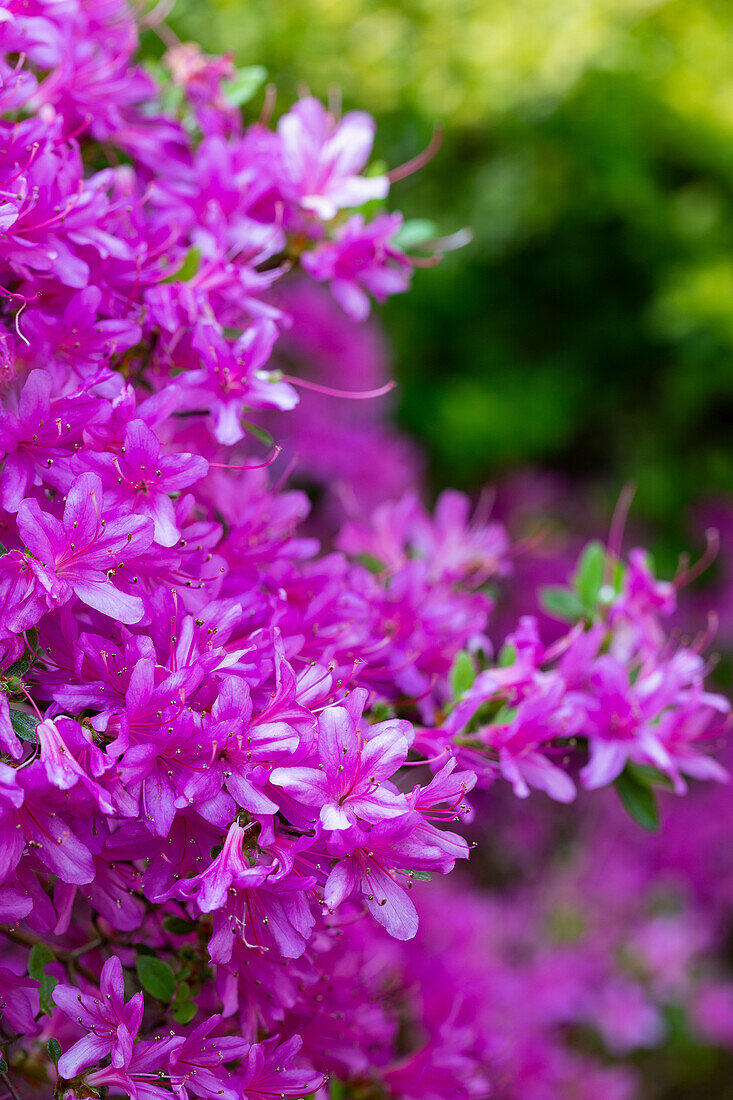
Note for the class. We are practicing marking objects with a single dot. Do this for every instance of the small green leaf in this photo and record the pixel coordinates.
(3, 1065)
(189, 267)
(20, 667)
(25, 725)
(589, 574)
(507, 656)
(14, 685)
(462, 674)
(414, 232)
(244, 84)
(374, 565)
(177, 926)
(48, 984)
(145, 949)
(39, 957)
(53, 1046)
(156, 977)
(561, 603)
(376, 168)
(381, 712)
(258, 432)
(619, 576)
(565, 924)
(185, 1011)
(336, 1089)
(649, 776)
(639, 801)
(420, 876)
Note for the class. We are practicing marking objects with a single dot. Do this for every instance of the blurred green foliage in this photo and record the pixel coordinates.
(589, 144)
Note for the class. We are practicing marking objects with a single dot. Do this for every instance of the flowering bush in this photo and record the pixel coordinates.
(207, 721)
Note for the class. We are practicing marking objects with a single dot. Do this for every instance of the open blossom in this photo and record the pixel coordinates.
(361, 260)
(140, 1076)
(232, 378)
(81, 552)
(231, 867)
(270, 1074)
(351, 779)
(459, 548)
(77, 335)
(375, 866)
(70, 757)
(111, 1023)
(200, 1062)
(40, 436)
(140, 479)
(323, 158)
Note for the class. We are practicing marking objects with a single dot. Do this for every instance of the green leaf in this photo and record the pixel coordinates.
(374, 565)
(177, 926)
(376, 168)
(566, 924)
(420, 876)
(38, 959)
(25, 725)
(53, 1046)
(336, 1089)
(189, 267)
(145, 949)
(14, 686)
(561, 603)
(156, 977)
(639, 801)
(462, 674)
(185, 1011)
(619, 576)
(258, 432)
(48, 984)
(589, 574)
(244, 84)
(415, 232)
(20, 667)
(39, 956)
(3, 1065)
(507, 656)
(171, 96)
(381, 712)
(649, 776)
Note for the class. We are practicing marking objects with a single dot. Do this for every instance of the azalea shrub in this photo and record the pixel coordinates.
(237, 738)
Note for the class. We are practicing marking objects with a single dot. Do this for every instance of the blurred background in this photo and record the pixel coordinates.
(588, 328)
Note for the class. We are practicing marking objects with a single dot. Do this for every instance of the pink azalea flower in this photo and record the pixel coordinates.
(112, 1024)
(322, 159)
(355, 762)
(140, 478)
(361, 260)
(79, 554)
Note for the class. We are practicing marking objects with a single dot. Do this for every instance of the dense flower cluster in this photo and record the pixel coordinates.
(207, 724)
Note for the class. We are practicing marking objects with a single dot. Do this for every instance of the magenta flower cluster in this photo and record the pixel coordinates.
(207, 722)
